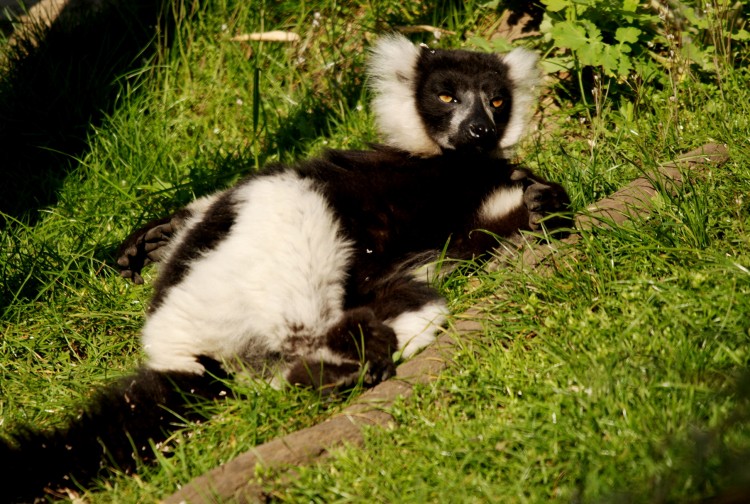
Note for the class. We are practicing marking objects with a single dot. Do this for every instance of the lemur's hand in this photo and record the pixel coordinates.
(542, 199)
(144, 246)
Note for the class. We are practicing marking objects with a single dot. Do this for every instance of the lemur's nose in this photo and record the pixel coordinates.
(480, 130)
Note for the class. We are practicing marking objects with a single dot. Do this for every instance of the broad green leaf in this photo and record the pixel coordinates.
(695, 20)
(501, 45)
(557, 5)
(570, 35)
(546, 26)
(627, 35)
(592, 30)
(694, 53)
(625, 66)
(610, 59)
(480, 43)
(554, 65)
(591, 53)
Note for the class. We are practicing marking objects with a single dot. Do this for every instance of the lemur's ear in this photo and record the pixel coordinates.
(524, 75)
(392, 75)
(426, 51)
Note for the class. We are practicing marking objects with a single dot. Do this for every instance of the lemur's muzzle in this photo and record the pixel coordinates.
(477, 131)
(481, 130)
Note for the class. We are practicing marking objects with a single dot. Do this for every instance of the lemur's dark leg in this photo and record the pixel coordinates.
(146, 244)
(358, 345)
(393, 312)
(411, 307)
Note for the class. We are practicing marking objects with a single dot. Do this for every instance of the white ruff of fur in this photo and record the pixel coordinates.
(417, 329)
(524, 73)
(391, 69)
(289, 263)
(501, 203)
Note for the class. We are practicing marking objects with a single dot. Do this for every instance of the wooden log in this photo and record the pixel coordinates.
(236, 479)
(633, 201)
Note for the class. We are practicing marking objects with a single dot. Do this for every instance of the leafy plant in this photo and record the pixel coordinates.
(599, 34)
(596, 33)
(618, 37)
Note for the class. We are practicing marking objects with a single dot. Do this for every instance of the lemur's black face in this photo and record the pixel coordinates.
(464, 99)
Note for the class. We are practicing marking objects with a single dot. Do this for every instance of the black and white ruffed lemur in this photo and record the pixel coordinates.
(305, 274)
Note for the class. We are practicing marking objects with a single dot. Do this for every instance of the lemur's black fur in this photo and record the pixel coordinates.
(305, 274)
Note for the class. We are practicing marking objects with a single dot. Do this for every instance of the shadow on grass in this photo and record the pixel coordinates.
(710, 462)
(289, 144)
(52, 92)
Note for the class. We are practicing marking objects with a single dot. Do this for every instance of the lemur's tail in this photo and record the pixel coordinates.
(114, 431)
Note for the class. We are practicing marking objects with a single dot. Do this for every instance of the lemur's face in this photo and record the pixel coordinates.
(429, 101)
(464, 99)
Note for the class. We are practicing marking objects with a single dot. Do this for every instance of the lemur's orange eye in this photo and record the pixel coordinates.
(445, 98)
(497, 102)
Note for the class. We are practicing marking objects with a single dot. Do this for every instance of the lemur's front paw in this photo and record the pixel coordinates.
(145, 246)
(547, 203)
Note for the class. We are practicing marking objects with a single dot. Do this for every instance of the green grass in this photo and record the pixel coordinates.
(619, 377)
